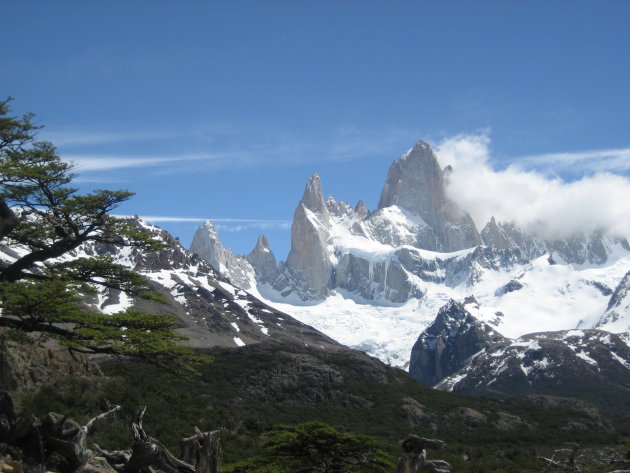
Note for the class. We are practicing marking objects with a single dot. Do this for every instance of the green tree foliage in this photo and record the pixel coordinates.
(43, 219)
(316, 447)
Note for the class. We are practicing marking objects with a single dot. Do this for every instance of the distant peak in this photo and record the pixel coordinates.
(262, 241)
(361, 209)
(209, 225)
(414, 182)
(313, 198)
(421, 144)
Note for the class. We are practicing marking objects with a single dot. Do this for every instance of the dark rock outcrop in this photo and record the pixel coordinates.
(587, 364)
(24, 366)
(448, 344)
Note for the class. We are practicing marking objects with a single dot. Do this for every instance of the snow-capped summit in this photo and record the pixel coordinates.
(415, 183)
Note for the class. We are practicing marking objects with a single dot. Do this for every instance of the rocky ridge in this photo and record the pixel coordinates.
(617, 315)
(449, 342)
(461, 354)
(213, 311)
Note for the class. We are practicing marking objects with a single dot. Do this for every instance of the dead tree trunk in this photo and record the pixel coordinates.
(413, 456)
(202, 449)
(148, 452)
(67, 438)
(570, 465)
(118, 460)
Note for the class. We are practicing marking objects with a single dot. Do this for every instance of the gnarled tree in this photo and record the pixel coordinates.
(43, 219)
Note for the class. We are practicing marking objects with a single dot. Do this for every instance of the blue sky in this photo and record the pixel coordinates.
(223, 110)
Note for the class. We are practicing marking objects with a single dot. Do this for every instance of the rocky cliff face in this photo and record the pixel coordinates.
(510, 236)
(263, 261)
(578, 249)
(462, 354)
(448, 344)
(617, 315)
(24, 366)
(206, 243)
(309, 262)
(415, 183)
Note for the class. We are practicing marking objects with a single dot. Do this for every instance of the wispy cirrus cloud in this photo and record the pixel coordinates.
(225, 224)
(89, 163)
(233, 148)
(250, 226)
(163, 218)
(94, 137)
(606, 160)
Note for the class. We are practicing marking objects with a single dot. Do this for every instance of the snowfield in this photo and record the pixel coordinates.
(553, 297)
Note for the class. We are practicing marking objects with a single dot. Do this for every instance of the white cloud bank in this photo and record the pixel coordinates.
(548, 206)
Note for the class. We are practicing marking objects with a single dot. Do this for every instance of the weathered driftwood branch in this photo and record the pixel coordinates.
(413, 456)
(203, 450)
(569, 465)
(201, 453)
(149, 452)
(118, 459)
(67, 438)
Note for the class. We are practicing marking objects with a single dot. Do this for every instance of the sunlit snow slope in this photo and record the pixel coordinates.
(552, 297)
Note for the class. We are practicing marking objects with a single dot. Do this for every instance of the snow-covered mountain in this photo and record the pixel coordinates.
(459, 353)
(213, 311)
(617, 315)
(375, 280)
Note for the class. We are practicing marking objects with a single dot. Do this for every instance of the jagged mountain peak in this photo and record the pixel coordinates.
(621, 292)
(587, 364)
(206, 243)
(262, 243)
(449, 342)
(414, 182)
(579, 248)
(313, 198)
(208, 226)
(263, 261)
(420, 146)
(361, 210)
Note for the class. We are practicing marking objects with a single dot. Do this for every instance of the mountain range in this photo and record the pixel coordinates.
(496, 311)
(376, 280)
